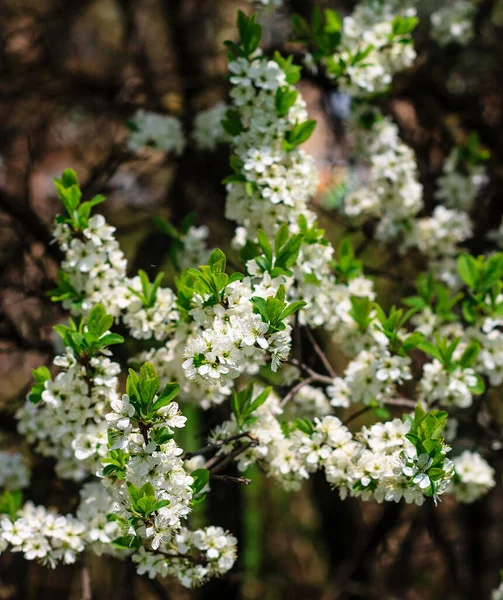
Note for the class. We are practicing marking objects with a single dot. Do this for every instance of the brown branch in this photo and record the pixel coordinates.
(321, 355)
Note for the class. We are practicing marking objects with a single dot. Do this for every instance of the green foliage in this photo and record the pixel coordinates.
(292, 72)
(231, 122)
(338, 66)
(116, 460)
(323, 33)
(471, 153)
(401, 28)
(70, 195)
(89, 336)
(143, 388)
(304, 425)
(243, 404)
(210, 281)
(250, 34)
(361, 312)
(275, 310)
(41, 375)
(65, 290)
(434, 295)
(284, 100)
(10, 503)
(483, 277)
(143, 500)
(391, 326)
(278, 259)
(148, 295)
(426, 436)
(298, 134)
(346, 266)
(201, 479)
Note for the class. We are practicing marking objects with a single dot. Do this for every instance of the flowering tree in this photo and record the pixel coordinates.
(237, 334)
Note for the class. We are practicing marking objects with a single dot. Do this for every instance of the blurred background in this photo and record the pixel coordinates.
(71, 73)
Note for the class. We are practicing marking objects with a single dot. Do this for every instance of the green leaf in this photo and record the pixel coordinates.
(468, 269)
(201, 478)
(168, 393)
(111, 339)
(98, 321)
(217, 261)
(284, 100)
(470, 354)
(149, 384)
(127, 542)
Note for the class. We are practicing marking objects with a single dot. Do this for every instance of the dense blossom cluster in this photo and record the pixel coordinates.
(473, 478)
(453, 23)
(200, 555)
(208, 130)
(14, 472)
(460, 182)
(392, 191)
(43, 535)
(68, 423)
(153, 130)
(373, 50)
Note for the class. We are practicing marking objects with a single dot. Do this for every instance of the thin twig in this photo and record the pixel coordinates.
(219, 444)
(295, 389)
(322, 356)
(230, 479)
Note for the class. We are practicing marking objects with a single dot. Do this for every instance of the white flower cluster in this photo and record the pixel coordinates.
(438, 238)
(153, 130)
(448, 388)
(490, 358)
(14, 472)
(392, 192)
(159, 464)
(68, 423)
(96, 268)
(370, 29)
(382, 464)
(43, 535)
(281, 181)
(96, 504)
(207, 553)
(372, 376)
(453, 23)
(168, 362)
(458, 187)
(157, 320)
(272, 3)
(474, 477)
(208, 130)
(231, 338)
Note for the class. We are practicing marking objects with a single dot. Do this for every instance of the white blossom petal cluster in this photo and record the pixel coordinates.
(153, 130)
(371, 376)
(458, 187)
(43, 535)
(208, 552)
(490, 358)
(474, 477)
(370, 28)
(453, 23)
(68, 424)
(282, 181)
(271, 3)
(448, 388)
(96, 504)
(392, 193)
(147, 461)
(14, 471)
(96, 268)
(233, 339)
(208, 131)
